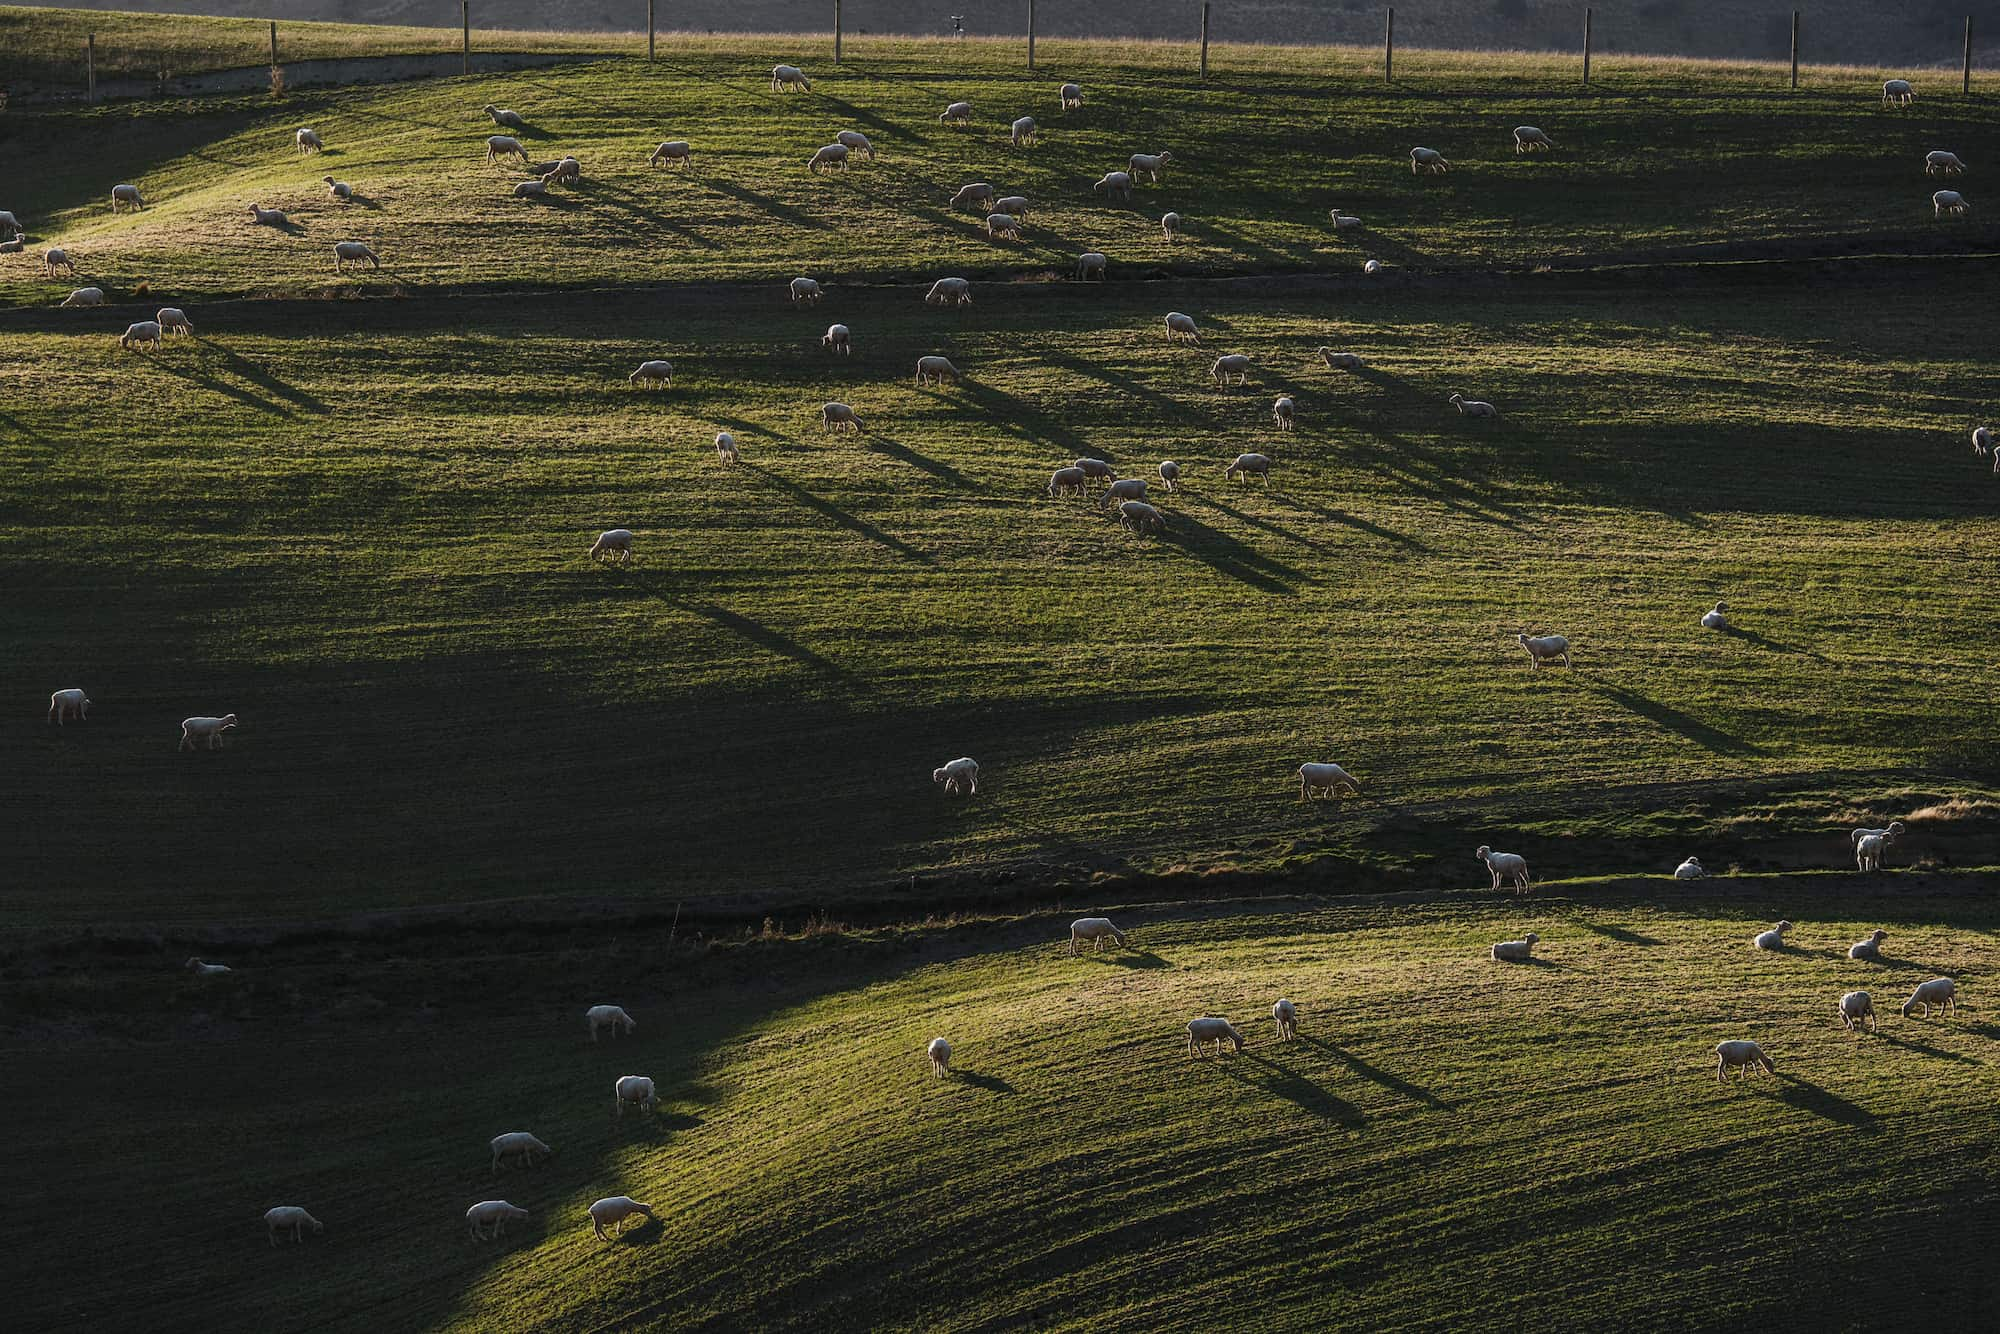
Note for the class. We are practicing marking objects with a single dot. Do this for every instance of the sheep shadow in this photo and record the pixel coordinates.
(1253, 521)
(1683, 725)
(1809, 1097)
(630, 204)
(874, 122)
(1376, 1075)
(991, 1083)
(1358, 524)
(1536, 961)
(837, 516)
(1140, 959)
(1923, 1048)
(944, 472)
(218, 386)
(763, 636)
(649, 1233)
(1618, 933)
(783, 212)
(259, 375)
(1011, 414)
(1769, 644)
(290, 226)
(1227, 556)
(1293, 1087)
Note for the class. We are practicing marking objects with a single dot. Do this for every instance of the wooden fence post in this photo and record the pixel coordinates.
(1795, 49)
(90, 67)
(1031, 34)
(1966, 86)
(465, 36)
(274, 42)
(1204, 41)
(1389, 46)
(1586, 43)
(649, 30)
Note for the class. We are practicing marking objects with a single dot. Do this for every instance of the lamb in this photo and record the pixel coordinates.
(205, 729)
(126, 194)
(55, 257)
(1544, 648)
(981, 193)
(1002, 224)
(1091, 264)
(269, 217)
(1937, 162)
(1149, 165)
(1948, 201)
(354, 252)
(789, 76)
(1140, 517)
(653, 374)
(1857, 1008)
(506, 120)
(1504, 866)
(1983, 437)
(726, 451)
(839, 418)
(613, 1017)
(1472, 407)
(1897, 92)
(1181, 326)
(1115, 183)
(1894, 830)
(1022, 133)
(1096, 469)
(1515, 951)
(1095, 930)
(1342, 222)
(1716, 617)
(85, 296)
(958, 113)
(534, 189)
(1247, 466)
(290, 1217)
(1235, 363)
(564, 171)
(1869, 950)
(200, 969)
(1066, 481)
(936, 370)
(517, 1144)
(1939, 991)
(1743, 1057)
(308, 142)
(504, 145)
(340, 190)
(837, 338)
(940, 1053)
(1017, 205)
(493, 1215)
(1428, 159)
(613, 543)
(1373, 266)
(1170, 473)
(1774, 939)
(1126, 488)
(1691, 869)
(828, 158)
(1869, 849)
(1170, 225)
(71, 703)
(949, 292)
(614, 1210)
(1325, 780)
(806, 291)
(14, 245)
(636, 1090)
(1072, 97)
(1212, 1030)
(674, 152)
(1287, 1015)
(960, 777)
(1285, 413)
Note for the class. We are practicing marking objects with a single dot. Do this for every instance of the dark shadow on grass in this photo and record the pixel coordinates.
(1924, 1048)
(1227, 556)
(991, 1083)
(1673, 720)
(218, 386)
(838, 516)
(868, 118)
(259, 375)
(1037, 427)
(1769, 644)
(1809, 1097)
(636, 208)
(1358, 523)
(944, 472)
(1144, 959)
(764, 203)
(1255, 522)
(763, 636)
(1535, 961)
(1376, 1075)
(1293, 1087)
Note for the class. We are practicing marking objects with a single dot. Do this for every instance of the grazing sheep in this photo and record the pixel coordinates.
(1869, 950)
(1149, 165)
(71, 703)
(1016, 205)
(487, 1219)
(269, 217)
(1939, 991)
(1096, 469)
(1342, 222)
(789, 76)
(533, 189)
(1181, 326)
(1170, 225)
(1857, 1008)
(936, 370)
(126, 194)
(837, 338)
(506, 120)
(340, 190)
(1115, 183)
(1287, 1015)
(612, 543)
(1428, 159)
(726, 451)
(1247, 466)
(1983, 437)
(1691, 869)
(354, 252)
(636, 1090)
(1072, 97)
(1528, 139)
(1948, 201)
(1372, 266)
(1140, 517)
(958, 113)
(1716, 617)
(949, 292)
(1544, 648)
(564, 171)
(806, 291)
(308, 141)
(1002, 224)
(1066, 481)
(980, 193)
(1091, 264)
(1339, 361)
(1515, 951)
(1236, 364)
(940, 1053)
(674, 153)
(839, 418)
(1170, 473)
(517, 1144)
(960, 777)
(1126, 488)
(614, 1210)
(653, 375)
(600, 1017)
(1868, 850)
(504, 145)
(1472, 407)
(1285, 413)
(1937, 162)
(9, 224)
(1022, 133)
(1328, 780)
(1504, 866)
(290, 1217)
(1774, 939)
(200, 969)
(854, 141)
(828, 158)
(1741, 1056)
(85, 296)
(1095, 930)
(55, 257)
(1212, 1030)
(1897, 92)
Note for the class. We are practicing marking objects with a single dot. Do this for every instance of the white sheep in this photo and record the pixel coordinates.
(14, 246)
(1072, 97)
(1742, 1057)
(1091, 264)
(1002, 224)
(1504, 866)
(1544, 648)
(1868, 850)
(1125, 488)
(126, 194)
(1342, 222)
(1180, 326)
(205, 729)
(200, 969)
(1716, 617)
(1140, 517)
(1067, 481)
(1515, 951)
(1339, 361)
(340, 190)
(1983, 440)
(1115, 183)
(1869, 950)
(1016, 205)
(980, 193)
(1897, 92)
(1328, 780)
(806, 291)
(354, 252)
(565, 171)
(612, 543)
(1096, 930)
(1285, 412)
(533, 189)
(1212, 1030)
(949, 292)
(1170, 473)
(960, 777)
(308, 141)
(505, 119)
(1096, 469)
(290, 1217)
(936, 370)
(85, 296)
(1472, 407)
(839, 418)
(1170, 225)
(1774, 939)
(173, 320)
(1895, 829)
(958, 113)
(613, 1210)
(1247, 466)
(600, 1017)
(1528, 139)
(1938, 162)
(1022, 133)
(1948, 201)
(54, 258)
(504, 145)
(838, 338)
(828, 158)
(940, 1053)
(726, 450)
(71, 703)
(674, 153)
(1939, 991)
(1857, 1008)
(653, 375)
(1236, 364)
(1428, 159)
(854, 141)
(1149, 165)
(1287, 1016)
(1373, 266)
(269, 217)
(9, 224)
(789, 76)
(487, 1219)
(517, 1144)
(1691, 869)
(636, 1090)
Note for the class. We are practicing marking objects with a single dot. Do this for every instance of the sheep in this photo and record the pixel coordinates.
(1095, 930)
(613, 543)
(806, 291)
(1016, 205)
(563, 171)
(940, 1053)
(653, 374)
(491, 1214)
(613, 1017)
(636, 1090)
(1287, 1016)
(1181, 326)
(1528, 139)
(506, 120)
(1236, 364)
(1897, 92)
(504, 145)
(1895, 829)
(1691, 869)
(789, 76)
(1149, 165)
(1022, 133)
(1247, 466)
(981, 193)
(126, 194)
(1939, 991)
(533, 189)
(269, 217)
(517, 1144)
(936, 370)
(1428, 159)
(354, 252)
(1115, 183)
(71, 703)
(145, 334)
(828, 158)
(205, 729)
(837, 338)
(1125, 488)
(854, 141)
(839, 418)
(1948, 201)
(200, 969)
(1170, 225)
(1869, 950)
(55, 257)
(1325, 780)
(726, 451)
(960, 777)
(1743, 1057)
(339, 190)
(1774, 939)
(1002, 224)
(290, 1217)
(1515, 951)
(1212, 1030)
(615, 1209)
(1716, 617)
(1140, 517)
(1170, 473)
(85, 296)
(1857, 1008)
(1066, 481)
(14, 246)
(949, 292)
(1938, 162)
(1504, 866)
(1472, 407)
(1096, 469)
(1072, 97)
(1285, 412)
(1342, 222)
(1339, 361)
(1544, 648)
(308, 141)
(1983, 437)
(1868, 850)
(673, 153)
(958, 113)
(9, 223)
(1091, 264)
(1373, 266)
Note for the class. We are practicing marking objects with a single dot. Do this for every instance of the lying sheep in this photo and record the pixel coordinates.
(1015, 205)
(674, 153)
(506, 120)
(269, 217)
(1285, 412)
(354, 252)
(517, 1145)
(1373, 266)
(1515, 951)
(1742, 1057)
(1002, 224)
(1339, 361)
(1212, 1030)
(489, 1218)
(1869, 950)
(200, 969)
(143, 334)
(71, 703)
(949, 292)
(936, 370)
(9, 224)
(1325, 780)
(1342, 222)
(14, 246)
(1140, 517)
(1544, 648)
(1149, 165)
(1857, 1008)
(960, 777)
(1868, 851)
(308, 141)
(504, 145)
(1774, 939)
(1428, 159)
(635, 1090)
(1170, 225)
(1472, 407)
(940, 1053)
(1247, 466)
(979, 193)
(1287, 1016)
(339, 190)
(1022, 133)
(806, 291)
(1948, 201)
(1716, 617)
(1072, 97)
(1115, 183)
(1504, 866)
(54, 258)
(85, 296)
(958, 113)
(290, 1217)
(1096, 930)
(1939, 991)
(1691, 869)
(1170, 473)
(1125, 488)
(126, 194)
(726, 451)
(1091, 264)
(1066, 481)
(1937, 162)
(830, 158)
(1180, 327)
(653, 375)
(206, 729)
(1096, 469)
(613, 1210)
(854, 141)
(839, 418)
(788, 77)
(533, 189)
(838, 338)
(1236, 364)
(1528, 139)
(1897, 92)
(600, 1017)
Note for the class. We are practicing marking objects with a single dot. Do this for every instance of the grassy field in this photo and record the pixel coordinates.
(1450, 1143)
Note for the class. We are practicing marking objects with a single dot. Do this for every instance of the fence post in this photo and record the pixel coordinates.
(274, 42)
(90, 67)
(836, 32)
(465, 36)
(1966, 87)
(1204, 41)
(649, 30)
(1389, 46)
(1795, 49)
(1586, 43)
(1031, 34)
